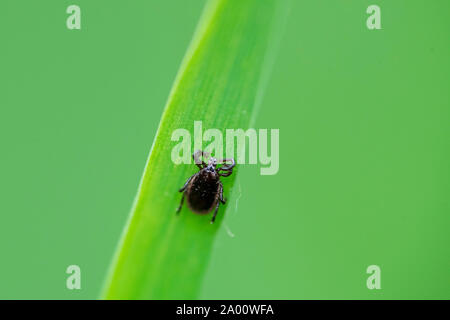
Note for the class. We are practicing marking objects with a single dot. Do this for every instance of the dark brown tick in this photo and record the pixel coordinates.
(204, 190)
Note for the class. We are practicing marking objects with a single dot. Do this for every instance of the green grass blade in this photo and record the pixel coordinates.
(161, 255)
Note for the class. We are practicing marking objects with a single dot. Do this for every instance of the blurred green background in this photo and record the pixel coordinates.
(364, 148)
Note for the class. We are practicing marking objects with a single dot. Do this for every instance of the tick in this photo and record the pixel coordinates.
(204, 190)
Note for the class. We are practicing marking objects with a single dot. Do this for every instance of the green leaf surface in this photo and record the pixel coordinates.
(220, 82)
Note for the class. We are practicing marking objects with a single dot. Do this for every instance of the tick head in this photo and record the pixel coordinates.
(212, 163)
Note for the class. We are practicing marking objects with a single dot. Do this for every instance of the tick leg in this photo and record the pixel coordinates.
(215, 212)
(228, 166)
(225, 173)
(196, 156)
(221, 194)
(181, 204)
(186, 184)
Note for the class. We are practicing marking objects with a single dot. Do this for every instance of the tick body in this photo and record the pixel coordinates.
(204, 191)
